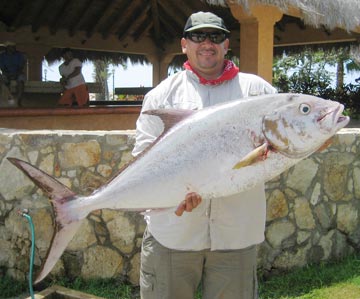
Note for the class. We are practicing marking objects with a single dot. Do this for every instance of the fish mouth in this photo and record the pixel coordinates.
(337, 118)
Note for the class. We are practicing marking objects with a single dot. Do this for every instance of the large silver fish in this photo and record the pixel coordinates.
(218, 151)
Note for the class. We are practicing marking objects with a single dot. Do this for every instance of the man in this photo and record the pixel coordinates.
(215, 243)
(75, 89)
(12, 64)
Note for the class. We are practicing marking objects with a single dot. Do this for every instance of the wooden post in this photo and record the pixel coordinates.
(160, 66)
(35, 55)
(256, 38)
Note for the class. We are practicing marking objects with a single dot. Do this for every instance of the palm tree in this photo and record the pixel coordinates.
(101, 75)
(343, 59)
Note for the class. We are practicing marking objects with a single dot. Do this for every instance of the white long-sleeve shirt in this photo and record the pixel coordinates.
(232, 222)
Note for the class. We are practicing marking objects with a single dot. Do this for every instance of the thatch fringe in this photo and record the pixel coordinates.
(115, 58)
(355, 53)
(349, 47)
(330, 13)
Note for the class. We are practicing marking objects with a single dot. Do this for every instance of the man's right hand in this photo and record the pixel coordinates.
(191, 201)
(63, 81)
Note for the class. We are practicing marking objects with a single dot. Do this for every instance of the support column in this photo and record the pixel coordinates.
(35, 56)
(257, 38)
(160, 66)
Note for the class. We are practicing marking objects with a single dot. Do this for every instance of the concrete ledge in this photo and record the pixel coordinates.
(53, 87)
(87, 118)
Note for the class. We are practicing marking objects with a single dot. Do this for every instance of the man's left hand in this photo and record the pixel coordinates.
(191, 201)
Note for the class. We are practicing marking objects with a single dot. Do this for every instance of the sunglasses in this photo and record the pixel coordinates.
(215, 37)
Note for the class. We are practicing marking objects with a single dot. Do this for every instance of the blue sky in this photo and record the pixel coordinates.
(135, 75)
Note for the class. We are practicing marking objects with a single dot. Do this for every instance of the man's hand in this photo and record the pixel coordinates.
(63, 81)
(191, 201)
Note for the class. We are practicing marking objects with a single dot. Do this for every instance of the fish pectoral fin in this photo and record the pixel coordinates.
(59, 242)
(258, 154)
(325, 145)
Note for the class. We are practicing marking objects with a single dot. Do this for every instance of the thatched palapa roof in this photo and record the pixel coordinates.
(87, 55)
(132, 21)
(330, 13)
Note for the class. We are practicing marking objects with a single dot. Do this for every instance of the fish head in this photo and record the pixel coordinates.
(302, 124)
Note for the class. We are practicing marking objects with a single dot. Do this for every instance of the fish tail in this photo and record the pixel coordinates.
(65, 223)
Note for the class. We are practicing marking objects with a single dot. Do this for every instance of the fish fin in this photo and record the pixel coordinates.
(60, 240)
(326, 144)
(65, 225)
(50, 186)
(258, 154)
(170, 117)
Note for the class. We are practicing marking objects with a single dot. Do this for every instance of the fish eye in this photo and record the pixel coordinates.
(304, 109)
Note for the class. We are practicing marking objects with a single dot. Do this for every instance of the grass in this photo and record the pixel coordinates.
(10, 288)
(335, 280)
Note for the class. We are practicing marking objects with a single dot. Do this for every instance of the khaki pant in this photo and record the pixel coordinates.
(174, 274)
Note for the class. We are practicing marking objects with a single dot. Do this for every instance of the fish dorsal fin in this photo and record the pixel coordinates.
(170, 117)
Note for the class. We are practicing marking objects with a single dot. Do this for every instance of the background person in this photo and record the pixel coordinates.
(72, 79)
(12, 65)
(215, 244)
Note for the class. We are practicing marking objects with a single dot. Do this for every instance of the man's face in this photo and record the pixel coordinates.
(205, 57)
(67, 56)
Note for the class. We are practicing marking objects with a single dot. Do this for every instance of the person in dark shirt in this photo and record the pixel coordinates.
(12, 64)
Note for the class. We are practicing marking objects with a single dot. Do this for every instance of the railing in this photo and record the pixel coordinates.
(49, 91)
(136, 96)
(52, 87)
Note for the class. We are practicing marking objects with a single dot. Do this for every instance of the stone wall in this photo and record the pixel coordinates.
(312, 209)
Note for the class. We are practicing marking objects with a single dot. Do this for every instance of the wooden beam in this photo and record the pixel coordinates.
(138, 21)
(293, 35)
(59, 16)
(82, 14)
(103, 15)
(168, 27)
(171, 10)
(126, 18)
(22, 14)
(142, 30)
(36, 21)
(155, 20)
(183, 9)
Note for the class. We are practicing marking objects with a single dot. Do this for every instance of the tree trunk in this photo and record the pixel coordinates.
(101, 69)
(340, 74)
